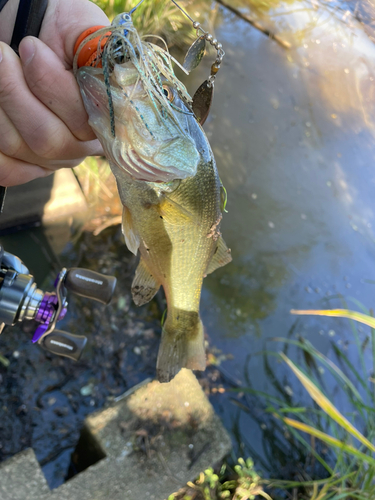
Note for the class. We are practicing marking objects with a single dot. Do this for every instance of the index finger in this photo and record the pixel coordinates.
(42, 130)
(55, 86)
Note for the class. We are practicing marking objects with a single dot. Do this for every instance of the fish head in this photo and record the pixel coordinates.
(157, 138)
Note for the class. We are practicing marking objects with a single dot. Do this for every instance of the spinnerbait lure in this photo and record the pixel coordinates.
(102, 46)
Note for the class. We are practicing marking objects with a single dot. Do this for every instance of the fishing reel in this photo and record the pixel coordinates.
(21, 300)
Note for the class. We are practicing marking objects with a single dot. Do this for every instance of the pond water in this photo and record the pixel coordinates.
(292, 131)
(293, 136)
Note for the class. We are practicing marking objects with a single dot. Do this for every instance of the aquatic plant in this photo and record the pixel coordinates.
(344, 453)
(353, 473)
(244, 484)
(317, 451)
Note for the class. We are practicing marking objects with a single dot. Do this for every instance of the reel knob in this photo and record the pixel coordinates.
(90, 284)
(64, 344)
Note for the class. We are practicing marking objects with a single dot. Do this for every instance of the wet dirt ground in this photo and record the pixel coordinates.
(45, 398)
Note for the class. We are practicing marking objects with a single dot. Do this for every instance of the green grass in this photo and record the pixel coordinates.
(352, 476)
(160, 17)
(330, 452)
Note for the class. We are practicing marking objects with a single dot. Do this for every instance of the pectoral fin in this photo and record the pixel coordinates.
(173, 212)
(144, 285)
(132, 240)
(221, 256)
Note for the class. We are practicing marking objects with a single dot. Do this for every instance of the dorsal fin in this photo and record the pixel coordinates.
(144, 285)
(220, 257)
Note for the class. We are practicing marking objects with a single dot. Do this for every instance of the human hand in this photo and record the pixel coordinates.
(42, 119)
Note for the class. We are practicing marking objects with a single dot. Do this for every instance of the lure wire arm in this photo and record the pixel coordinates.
(95, 47)
(211, 40)
(136, 7)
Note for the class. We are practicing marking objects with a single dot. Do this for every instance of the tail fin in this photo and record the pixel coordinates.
(182, 345)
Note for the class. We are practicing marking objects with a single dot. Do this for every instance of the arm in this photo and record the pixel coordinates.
(42, 118)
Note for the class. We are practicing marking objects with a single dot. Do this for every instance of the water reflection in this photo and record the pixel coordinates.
(293, 136)
(246, 292)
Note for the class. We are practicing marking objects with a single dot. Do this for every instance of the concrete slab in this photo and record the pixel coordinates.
(21, 478)
(44, 200)
(147, 445)
(66, 197)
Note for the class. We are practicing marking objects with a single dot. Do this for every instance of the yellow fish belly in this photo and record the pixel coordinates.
(178, 234)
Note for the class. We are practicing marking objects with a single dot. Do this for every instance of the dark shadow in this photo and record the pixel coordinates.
(24, 205)
(87, 452)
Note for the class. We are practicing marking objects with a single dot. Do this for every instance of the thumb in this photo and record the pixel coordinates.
(65, 21)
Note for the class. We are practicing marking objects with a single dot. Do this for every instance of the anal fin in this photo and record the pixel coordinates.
(144, 285)
(221, 256)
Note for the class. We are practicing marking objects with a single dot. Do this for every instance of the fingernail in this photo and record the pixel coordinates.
(27, 50)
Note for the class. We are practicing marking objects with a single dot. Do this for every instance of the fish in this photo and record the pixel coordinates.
(168, 183)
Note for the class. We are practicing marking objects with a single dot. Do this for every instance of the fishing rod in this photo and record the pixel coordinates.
(21, 300)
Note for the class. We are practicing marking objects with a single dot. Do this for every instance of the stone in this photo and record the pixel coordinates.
(146, 445)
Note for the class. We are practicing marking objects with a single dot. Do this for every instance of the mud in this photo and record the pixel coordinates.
(45, 398)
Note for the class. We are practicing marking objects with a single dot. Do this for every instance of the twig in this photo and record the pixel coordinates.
(111, 222)
(131, 390)
(256, 25)
(167, 469)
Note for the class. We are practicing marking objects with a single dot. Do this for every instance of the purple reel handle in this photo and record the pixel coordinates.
(82, 282)
(39, 332)
(44, 315)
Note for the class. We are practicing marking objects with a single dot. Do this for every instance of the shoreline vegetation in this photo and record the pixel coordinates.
(347, 461)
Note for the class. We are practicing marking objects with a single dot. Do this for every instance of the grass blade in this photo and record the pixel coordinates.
(338, 313)
(342, 356)
(330, 440)
(4, 361)
(308, 347)
(326, 405)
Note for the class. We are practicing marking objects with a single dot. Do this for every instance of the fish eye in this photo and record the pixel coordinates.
(167, 91)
